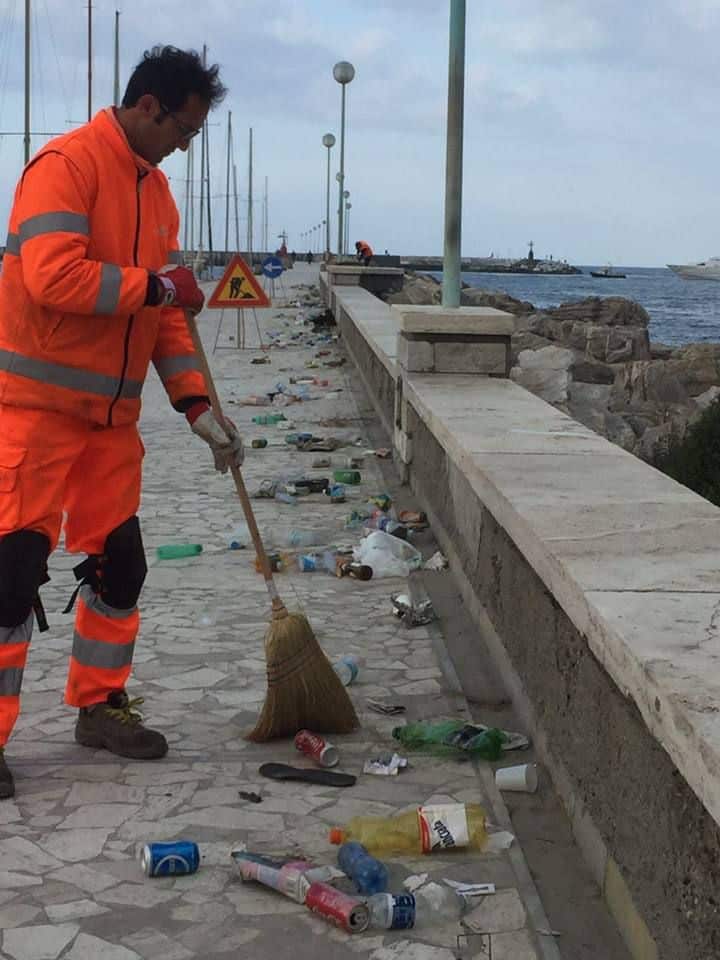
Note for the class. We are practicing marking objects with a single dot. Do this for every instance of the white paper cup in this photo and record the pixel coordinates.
(520, 779)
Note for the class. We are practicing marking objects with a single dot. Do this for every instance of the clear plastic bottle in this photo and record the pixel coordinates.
(306, 538)
(347, 669)
(309, 562)
(431, 828)
(367, 873)
(432, 905)
(239, 537)
(284, 497)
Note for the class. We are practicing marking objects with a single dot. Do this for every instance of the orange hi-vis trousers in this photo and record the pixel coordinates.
(53, 464)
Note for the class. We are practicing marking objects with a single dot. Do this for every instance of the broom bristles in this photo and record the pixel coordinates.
(304, 692)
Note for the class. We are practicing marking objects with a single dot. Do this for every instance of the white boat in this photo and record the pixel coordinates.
(705, 270)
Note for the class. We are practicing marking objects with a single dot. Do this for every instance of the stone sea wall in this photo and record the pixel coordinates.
(594, 360)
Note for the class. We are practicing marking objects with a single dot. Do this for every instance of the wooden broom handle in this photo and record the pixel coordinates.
(234, 469)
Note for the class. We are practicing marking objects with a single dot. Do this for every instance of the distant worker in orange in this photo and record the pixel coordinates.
(92, 290)
(364, 251)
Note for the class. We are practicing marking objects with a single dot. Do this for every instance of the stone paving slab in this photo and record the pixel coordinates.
(70, 880)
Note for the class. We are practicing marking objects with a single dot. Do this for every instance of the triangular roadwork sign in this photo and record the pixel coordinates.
(238, 288)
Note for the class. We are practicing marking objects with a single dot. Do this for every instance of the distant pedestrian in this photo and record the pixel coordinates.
(364, 252)
(293, 256)
(309, 257)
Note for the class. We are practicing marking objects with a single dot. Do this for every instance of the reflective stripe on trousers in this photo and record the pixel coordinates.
(14, 643)
(102, 649)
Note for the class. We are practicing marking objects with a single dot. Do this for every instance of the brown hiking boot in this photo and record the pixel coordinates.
(7, 784)
(117, 726)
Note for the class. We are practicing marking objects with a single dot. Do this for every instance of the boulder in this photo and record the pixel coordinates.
(612, 329)
(417, 289)
(586, 370)
(544, 372)
(476, 297)
(648, 387)
(696, 366)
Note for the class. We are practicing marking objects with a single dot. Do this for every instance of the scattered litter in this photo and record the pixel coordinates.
(470, 889)
(499, 841)
(317, 748)
(283, 771)
(341, 361)
(252, 797)
(413, 518)
(415, 881)
(545, 932)
(255, 400)
(347, 669)
(389, 709)
(430, 828)
(522, 778)
(170, 859)
(388, 556)
(385, 764)
(264, 359)
(348, 913)
(412, 614)
(448, 737)
(322, 463)
(175, 551)
(290, 877)
(384, 453)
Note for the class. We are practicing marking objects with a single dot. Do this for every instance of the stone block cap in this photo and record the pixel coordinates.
(344, 268)
(484, 321)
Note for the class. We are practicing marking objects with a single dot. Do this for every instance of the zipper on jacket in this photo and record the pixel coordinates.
(128, 329)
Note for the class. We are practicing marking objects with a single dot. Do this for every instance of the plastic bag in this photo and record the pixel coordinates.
(388, 556)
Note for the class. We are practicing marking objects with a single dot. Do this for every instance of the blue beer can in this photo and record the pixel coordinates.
(170, 859)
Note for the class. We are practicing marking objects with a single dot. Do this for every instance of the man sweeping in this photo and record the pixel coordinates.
(84, 308)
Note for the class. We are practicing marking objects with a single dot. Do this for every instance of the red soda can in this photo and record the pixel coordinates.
(313, 745)
(346, 912)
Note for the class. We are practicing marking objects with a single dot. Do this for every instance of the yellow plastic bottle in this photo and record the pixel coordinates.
(432, 828)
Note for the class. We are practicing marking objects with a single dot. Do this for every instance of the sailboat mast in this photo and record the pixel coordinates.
(26, 136)
(227, 183)
(203, 136)
(209, 205)
(116, 85)
(250, 200)
(237, 215)
(89, 89)
(265, 219)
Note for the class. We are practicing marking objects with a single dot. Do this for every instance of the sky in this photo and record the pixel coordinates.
(590, 125)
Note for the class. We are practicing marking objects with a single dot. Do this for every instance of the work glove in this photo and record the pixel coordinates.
(224, 440)
(177, 287)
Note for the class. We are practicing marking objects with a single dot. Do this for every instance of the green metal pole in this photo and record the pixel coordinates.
(454, 156)
(341, 179)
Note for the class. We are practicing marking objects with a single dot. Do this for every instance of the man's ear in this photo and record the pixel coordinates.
(148, 104)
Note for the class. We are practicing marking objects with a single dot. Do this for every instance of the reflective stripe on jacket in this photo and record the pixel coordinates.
(89, 219)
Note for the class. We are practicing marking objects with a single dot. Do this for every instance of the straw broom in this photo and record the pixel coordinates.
(303, 689)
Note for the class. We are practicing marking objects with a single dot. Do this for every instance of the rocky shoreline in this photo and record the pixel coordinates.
(594, 360)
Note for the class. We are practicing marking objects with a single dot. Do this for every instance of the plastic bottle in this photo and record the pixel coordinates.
(357, 571)
(174, 551)
(388, 525)
(368, 874)
(430, 906)
(452, 737)
(431, 828)
(310, 562)
(284, 497)
(238, 538)
(347, 669)
(347, 476)
(306, 538)
(389, 912)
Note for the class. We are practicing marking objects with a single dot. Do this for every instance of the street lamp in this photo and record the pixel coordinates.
(348, 208)
(343, 73)
(328, 141)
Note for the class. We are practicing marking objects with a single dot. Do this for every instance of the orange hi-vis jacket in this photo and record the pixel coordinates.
(364, 248)
(89, 220)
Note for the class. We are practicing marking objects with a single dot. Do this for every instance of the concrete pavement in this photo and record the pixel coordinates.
(70, 879)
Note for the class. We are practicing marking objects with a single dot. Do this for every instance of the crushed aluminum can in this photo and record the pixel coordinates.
(412, 614)
(314, 746)
(348, 913)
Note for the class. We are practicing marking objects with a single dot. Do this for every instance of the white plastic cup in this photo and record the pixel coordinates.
(520, 779)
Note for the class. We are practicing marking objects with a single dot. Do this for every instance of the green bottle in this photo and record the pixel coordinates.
(174, 551)
(346, 476)
(452, 737)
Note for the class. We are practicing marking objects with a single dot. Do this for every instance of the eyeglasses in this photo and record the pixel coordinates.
(186, 131)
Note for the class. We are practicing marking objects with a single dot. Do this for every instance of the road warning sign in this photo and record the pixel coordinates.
(238, 288)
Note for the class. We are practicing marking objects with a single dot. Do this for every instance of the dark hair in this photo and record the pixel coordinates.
(172, 76)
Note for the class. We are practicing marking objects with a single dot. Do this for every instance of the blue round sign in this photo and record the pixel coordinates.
(272, 267)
